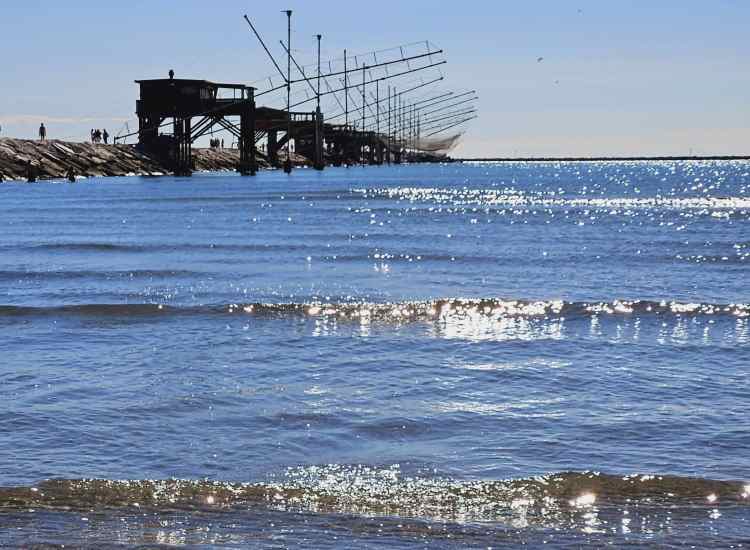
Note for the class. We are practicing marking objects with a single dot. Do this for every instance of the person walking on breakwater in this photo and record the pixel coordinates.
(105, 135)
(42, 132)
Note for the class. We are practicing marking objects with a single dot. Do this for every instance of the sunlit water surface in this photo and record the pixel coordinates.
(462, 356)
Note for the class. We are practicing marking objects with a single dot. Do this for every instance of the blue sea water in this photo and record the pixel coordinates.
(461, 355)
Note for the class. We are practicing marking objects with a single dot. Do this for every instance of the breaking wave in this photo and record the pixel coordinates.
(367, 491)
(402, 312)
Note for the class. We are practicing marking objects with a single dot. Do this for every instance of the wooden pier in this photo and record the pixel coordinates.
(380, 113)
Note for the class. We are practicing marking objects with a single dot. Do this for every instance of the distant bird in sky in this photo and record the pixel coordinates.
(539, 59)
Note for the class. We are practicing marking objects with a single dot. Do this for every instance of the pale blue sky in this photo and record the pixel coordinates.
(618, 77)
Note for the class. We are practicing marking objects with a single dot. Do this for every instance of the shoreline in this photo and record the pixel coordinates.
(606, 159)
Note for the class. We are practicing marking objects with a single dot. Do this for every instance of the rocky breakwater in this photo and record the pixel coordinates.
(55, 159)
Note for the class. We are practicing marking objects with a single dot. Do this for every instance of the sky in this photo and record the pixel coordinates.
(625, 77)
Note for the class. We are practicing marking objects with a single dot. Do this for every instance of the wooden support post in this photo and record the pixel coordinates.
(251, 131)
(273, 147)
(248, 162)
(188, 147)
(318, 161)
(176, 139)
(181, 147)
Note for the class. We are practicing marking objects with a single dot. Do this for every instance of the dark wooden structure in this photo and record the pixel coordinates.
(182, 100)
(346, 145)
(190, 108)
(174, 103)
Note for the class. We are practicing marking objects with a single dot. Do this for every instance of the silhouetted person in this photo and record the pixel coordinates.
(71, 175)
(30, 172)
(42, 132)
(105, 134)
(92, 135)
(222, 144)
(171, 74)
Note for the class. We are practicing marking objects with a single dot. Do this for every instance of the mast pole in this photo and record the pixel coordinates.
(388, 147)
(319, 36)
(288, 163)
(364, 104)
(377, 118)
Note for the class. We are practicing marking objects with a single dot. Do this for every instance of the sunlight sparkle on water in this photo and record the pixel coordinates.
(586, 499)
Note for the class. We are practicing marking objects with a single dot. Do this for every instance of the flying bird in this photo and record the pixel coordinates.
(539, 59)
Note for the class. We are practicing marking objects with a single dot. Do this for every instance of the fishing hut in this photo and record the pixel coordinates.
(172, 102)
(173, 113)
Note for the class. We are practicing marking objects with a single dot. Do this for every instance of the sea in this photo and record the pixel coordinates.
(476, 355)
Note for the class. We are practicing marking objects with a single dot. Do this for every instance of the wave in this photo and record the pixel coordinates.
(365, 490)
(255, 198)
(511, 197)
(98, 310)
(85, 247)
(178, 247)
(401, 312)
(18, 275)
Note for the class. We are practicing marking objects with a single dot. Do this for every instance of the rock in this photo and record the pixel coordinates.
(54, 158)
